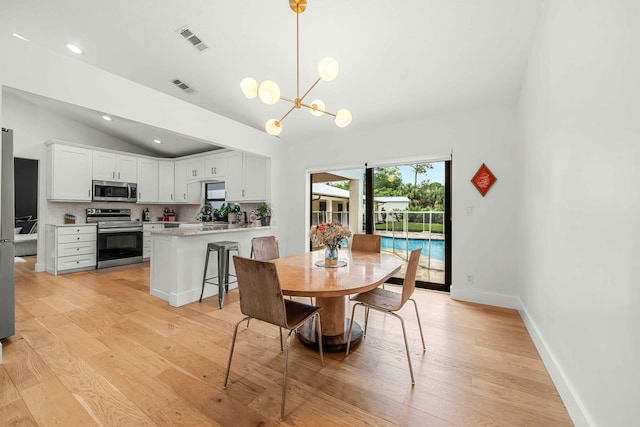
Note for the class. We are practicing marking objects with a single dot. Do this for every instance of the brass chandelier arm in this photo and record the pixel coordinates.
(298, 54)
(287, 113)
(309, 90)
(284, 98)
(317, 109)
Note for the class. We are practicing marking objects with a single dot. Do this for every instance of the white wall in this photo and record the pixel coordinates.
(484, 244)
(580, 116)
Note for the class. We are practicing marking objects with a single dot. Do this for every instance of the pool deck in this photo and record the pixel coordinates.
(412, 235)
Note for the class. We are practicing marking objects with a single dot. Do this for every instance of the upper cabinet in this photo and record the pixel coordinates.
(114, 167)
(195, 169)
(186, 191)
(166, 182)
(147, 180)
(246, 178)
(69, 170)
(215, 165)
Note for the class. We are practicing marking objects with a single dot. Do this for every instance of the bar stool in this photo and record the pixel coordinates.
(223, 249)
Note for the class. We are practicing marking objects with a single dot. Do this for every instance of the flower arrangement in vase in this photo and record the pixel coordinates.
(331, 235)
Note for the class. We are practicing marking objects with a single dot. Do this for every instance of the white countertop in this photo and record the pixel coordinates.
(199, 229)
(78, 224)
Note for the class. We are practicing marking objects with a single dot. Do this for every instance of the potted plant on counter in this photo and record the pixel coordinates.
(264, 212)
(205, 214)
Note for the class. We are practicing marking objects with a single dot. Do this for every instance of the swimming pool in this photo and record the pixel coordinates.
(437, 246)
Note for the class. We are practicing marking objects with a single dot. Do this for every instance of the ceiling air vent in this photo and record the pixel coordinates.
(194, 40)
(182, 85)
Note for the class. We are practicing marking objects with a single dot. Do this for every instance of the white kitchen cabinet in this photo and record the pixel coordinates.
(246, 179)
(146, 238)
(195, 168)
(148, 180)
(69, 170)
(70, 248)
(186, 191)
(180, 182)
(166, 182)
(114, 167)
(215, 165)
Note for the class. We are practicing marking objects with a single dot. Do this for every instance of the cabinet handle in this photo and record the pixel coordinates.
(118, 175)
(89, 193)
(113, 174)
(242, 193)
(184, 195)
(171, 196)
(213, 171)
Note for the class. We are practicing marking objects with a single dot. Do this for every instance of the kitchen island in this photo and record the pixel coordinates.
(178, 255)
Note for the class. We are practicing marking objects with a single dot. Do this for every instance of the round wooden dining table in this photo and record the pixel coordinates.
(300, 276)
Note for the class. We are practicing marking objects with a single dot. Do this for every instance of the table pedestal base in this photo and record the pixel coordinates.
(330, 344)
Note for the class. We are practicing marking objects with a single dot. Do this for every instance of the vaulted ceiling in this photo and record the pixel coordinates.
(399, 61)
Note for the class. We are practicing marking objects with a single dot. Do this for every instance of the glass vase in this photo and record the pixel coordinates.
(331, 256)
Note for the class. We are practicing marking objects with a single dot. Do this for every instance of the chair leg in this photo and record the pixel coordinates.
(222, 256)
(285, 376)
(353, 311)
(233, 344)
(204, 275)
(281, 346)
(366, 320)
(424, 347)
(319, 329)
(406, 346)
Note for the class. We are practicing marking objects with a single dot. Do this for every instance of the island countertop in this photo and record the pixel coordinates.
(200, 229)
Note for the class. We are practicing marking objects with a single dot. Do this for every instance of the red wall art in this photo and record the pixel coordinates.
(483, 179)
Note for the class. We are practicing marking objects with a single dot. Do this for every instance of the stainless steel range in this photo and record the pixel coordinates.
(119, 238)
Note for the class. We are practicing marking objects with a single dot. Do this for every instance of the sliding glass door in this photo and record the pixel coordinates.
(407, 205)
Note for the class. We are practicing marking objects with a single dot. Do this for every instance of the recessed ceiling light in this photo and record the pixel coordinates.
(75, 49)
(107, 118)
(16, 35)
(157, 141)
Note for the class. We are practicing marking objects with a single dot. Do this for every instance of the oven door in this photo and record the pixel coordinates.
(119, 246)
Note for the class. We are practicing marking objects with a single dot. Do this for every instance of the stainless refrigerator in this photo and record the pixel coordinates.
(7, 224)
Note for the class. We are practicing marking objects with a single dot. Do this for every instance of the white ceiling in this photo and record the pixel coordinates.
(399, 61)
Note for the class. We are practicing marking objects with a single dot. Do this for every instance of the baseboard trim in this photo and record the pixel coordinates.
(575, 407)
(488, 298)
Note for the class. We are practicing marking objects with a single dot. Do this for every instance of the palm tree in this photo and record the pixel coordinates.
(419, 169)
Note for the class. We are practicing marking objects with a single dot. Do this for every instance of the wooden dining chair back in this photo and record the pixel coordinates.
(264, 248)
(261, 298)
(366, 243)
(390, 302)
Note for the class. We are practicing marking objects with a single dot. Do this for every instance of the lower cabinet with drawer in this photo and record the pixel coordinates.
(70, 248)
(146, 238)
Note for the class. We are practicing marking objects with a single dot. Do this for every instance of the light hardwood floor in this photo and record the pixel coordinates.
(94, 348)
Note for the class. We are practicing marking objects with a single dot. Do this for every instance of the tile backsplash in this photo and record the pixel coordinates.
(184, 213)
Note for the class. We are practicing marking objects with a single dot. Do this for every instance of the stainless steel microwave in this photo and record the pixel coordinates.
(109, 191)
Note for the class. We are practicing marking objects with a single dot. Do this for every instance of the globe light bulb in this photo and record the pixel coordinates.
(343, 117)
(273, 127)
(249, 87)
(269, 92)
(319, 105)
(328, 69)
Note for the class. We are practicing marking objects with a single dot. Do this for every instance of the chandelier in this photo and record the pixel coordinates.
(269, 92)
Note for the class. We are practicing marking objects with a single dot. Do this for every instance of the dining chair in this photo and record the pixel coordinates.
(390, 302)
(366, 243)
(261, 299)
(264, 248)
